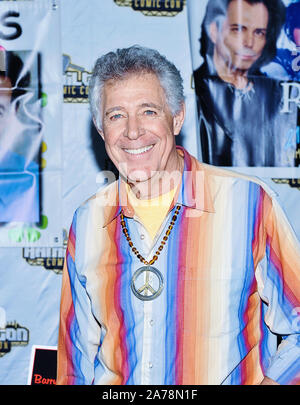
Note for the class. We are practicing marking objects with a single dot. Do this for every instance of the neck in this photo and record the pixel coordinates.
(228, 73)
(160, 183)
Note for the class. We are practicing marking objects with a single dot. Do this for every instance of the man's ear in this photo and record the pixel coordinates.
(178, 120)
(213, 32)
(100, 131)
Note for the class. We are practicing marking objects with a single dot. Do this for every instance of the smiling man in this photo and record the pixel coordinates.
(178, 272)
(139, 128)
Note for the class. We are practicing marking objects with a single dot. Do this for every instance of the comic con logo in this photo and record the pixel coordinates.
(51, 258)
(11, 334)
(165, 8)
(76, 80)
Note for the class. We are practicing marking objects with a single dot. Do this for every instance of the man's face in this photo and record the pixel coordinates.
(242, 38)
(138, 127)
(5, 98)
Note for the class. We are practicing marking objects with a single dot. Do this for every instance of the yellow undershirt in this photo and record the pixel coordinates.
(151, 212)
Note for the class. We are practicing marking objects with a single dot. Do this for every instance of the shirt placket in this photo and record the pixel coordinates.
(147, 248)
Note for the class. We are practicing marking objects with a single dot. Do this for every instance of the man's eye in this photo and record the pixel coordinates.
(149, 112)
(260, 33)
(115, 117)
(237, 28)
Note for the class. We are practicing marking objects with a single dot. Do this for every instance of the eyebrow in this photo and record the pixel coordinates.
(152, 105)
(244, 26)
(112, 109)
(120, 108)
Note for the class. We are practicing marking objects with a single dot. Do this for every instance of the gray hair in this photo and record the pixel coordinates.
(133, 60)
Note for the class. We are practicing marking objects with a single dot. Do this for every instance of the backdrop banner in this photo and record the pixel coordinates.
(246, 76)
(31, 231)
(30, 124)
(160, 25)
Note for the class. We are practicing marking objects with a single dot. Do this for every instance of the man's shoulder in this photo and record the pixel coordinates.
(226, 175)
(225, 172)
(104, 197)
(91, 216)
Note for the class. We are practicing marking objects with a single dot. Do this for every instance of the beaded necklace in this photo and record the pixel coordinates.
(146, 292)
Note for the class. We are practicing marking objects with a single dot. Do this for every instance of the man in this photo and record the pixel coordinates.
(241, 123)
(179, 272)
(19, 173)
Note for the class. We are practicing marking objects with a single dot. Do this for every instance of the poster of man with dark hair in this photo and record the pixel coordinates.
(20, 138)
(242, 121)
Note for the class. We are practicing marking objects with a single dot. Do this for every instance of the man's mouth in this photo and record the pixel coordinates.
(139, 150)
(247, 55)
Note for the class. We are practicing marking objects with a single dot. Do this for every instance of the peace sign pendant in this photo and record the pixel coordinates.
(149, 286)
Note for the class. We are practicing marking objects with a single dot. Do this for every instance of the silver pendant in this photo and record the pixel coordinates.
(147, 287)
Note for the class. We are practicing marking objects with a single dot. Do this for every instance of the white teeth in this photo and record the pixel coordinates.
(140, 150)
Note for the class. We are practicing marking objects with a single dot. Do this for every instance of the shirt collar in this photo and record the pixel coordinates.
(193, 191)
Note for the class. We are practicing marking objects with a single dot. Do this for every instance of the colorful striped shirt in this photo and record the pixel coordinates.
(231, 284)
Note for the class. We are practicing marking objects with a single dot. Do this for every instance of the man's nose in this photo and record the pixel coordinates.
(248, 39)
(133, 129)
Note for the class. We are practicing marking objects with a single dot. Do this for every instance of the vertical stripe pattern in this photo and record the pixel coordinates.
(231, 272)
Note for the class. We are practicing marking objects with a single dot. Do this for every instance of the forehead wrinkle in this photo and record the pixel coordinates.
(152, 105)
(233, 25)
(244, 10)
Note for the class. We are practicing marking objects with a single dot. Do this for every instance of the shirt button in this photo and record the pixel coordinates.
(151, 322)
(150, 365)
(142, 236)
